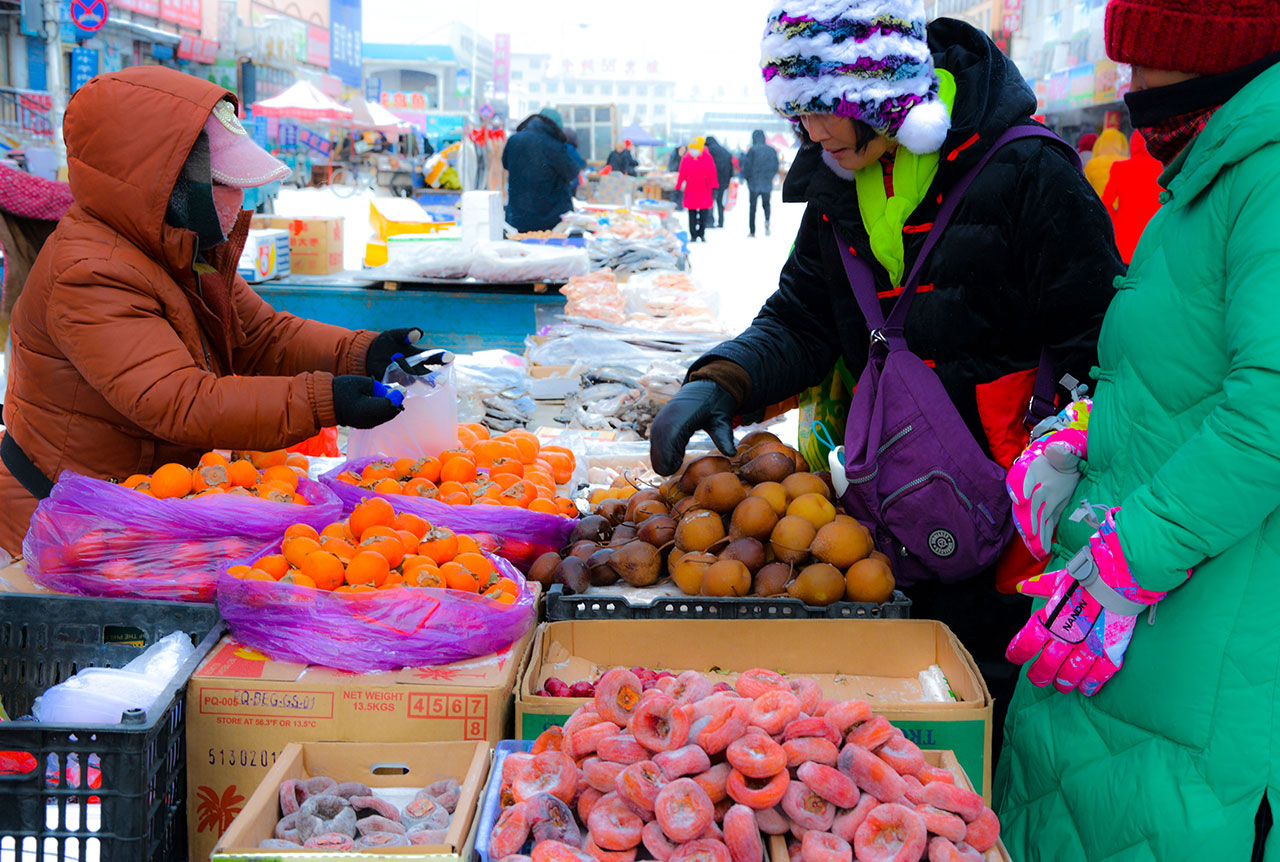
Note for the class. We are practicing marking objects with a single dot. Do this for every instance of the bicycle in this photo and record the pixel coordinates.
(351, 178)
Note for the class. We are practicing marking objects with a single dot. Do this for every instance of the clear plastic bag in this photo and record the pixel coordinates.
(427, 259)
(377, 631)
(515, 261)
(517, 535)
(101, 695)
(429, 423)
(93, 538)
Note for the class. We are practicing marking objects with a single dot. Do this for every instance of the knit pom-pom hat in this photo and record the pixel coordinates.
(865, 59)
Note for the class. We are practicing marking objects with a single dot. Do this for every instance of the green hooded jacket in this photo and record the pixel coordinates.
(1172, 757)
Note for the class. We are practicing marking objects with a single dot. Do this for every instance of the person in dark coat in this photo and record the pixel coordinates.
(759, 170)
(621, 159)
(1028, 260)
(724, 172)
(541, 173)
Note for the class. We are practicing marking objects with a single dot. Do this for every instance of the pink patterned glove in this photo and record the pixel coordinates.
(1082, 634)
(1044, 478)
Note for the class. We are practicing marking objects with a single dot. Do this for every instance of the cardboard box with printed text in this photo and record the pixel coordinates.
(315, 243)
(243, 709)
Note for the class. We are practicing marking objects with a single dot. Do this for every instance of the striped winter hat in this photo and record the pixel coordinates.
(865, 59)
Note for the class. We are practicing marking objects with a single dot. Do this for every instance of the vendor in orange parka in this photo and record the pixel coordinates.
(134, 341)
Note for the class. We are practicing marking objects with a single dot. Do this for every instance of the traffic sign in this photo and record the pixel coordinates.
(89, 15)
(486, 111)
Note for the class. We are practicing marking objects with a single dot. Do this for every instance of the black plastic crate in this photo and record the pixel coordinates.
(138, 813)
(603, 607)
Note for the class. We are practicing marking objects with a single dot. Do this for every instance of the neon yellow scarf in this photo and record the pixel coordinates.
(884, 216)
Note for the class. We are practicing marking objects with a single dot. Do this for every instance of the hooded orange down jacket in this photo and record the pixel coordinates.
(118, 362)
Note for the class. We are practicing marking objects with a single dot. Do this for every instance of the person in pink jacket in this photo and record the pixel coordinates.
(698, 180)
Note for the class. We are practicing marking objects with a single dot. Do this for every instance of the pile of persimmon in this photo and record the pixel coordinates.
(377, 548)
(513, 469)
(267, 475)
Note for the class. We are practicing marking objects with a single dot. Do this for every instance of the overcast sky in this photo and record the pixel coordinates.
(712, 42)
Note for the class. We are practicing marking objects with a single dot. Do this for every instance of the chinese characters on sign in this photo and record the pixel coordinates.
(197, 50)
(186, 12)
(84, 65)
(345, 52)
(502, 63)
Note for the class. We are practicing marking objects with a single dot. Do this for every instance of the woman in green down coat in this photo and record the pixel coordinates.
(1175, 756)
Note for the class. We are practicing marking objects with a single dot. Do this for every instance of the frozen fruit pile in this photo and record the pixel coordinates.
(682, 773)
(319, 813)
(556, 687)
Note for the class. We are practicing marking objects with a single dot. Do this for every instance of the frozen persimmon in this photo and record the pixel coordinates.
(567, 507)
(242, 474)
(377, 471)
(459, 498)
(544, 507)
(440, 544)
(425, 576)
(476, 564)
(340, 548)
(411, 523)
(302, 530)
(263, 460)
(273, 564)
(458, 470)
(429, 469)
(297, 459)
(273, 494)
(520, 494)
(213, 476)
(561, 466)
(528, 447)
(238, 571)
(466, 438)
(507, 465)
(296, 548)
(170, 481)
(403, 467)
(300, 579)
(388, 486)
(368, 568)
(349, 478)
(409, 540)
(390, 547)
(480, 430)
(449, 488)
(256, 574)
(457, 577)
(373, 512)
(213, 459)
(467, 544)
(336, 530)
(457, 452)
(324, 569)
(135, 480)
(419, 488)
(282, 474)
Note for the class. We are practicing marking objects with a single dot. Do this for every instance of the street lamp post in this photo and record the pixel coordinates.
(53, 59)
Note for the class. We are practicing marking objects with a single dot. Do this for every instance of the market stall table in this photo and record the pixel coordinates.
(462, 315)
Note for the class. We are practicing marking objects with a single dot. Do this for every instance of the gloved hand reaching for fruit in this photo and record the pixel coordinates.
(1044, 478)
(362, 402)
(1083, 632)
(700, 405)
(384, 349)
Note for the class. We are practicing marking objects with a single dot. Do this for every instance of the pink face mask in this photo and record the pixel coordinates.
(228, 201)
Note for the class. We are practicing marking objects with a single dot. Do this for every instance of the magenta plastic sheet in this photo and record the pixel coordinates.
(94, 538)
(515, 534)
(380, 630)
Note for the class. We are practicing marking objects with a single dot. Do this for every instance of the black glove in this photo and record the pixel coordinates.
(385, 347)
(357, 404)
(700, 405)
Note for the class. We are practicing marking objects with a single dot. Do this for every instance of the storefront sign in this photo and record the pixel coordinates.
(462, 82)
(318, 45)
(1059, 91)
(312, 141)
(502, 63)
(142, 7)
(197, 50)
(1104, 82)
(1081, 85)
(84, 65)
(289, 134)
(403, 101)
(345, 48)
(373, 89)
(185, 12)
(37, 72)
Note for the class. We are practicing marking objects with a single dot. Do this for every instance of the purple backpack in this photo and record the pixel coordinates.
(932, 499)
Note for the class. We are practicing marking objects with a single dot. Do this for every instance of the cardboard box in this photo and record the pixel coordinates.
(265, 256)
(872, 660)
(315, 243)
(392, 770)
(243, 709)
(777, 844)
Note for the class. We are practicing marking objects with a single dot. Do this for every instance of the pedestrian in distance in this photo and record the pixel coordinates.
(759, 170)
(1025, 262)
(1125, 715)
(724, 173)
(673, 166)
(1132, 195)
(621, 159)
(541, 170)
(1110, 148)
(697, 179)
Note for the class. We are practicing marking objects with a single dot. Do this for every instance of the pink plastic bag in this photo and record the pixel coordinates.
(517, 535)
(380, 630)
(93, 538)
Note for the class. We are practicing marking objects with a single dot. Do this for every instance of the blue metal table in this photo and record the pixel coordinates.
(459, 315)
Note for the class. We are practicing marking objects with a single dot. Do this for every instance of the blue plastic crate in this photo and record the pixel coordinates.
(490, 806)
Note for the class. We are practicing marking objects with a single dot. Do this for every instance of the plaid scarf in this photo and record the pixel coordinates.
(1168, 138)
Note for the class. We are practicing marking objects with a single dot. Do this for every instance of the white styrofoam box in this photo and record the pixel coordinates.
(265, 256)
(482, 216)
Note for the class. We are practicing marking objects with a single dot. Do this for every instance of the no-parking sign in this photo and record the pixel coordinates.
(89, 15)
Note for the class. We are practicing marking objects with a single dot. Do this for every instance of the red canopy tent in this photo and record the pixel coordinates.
(304, 101)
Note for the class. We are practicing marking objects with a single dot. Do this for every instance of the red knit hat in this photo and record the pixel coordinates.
(1203, 37)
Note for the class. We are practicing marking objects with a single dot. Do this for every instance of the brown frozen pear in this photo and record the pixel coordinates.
(754, 517)
(726, 578)
(699, 530)
(799, 484)
(644, 504)
(772, 580)
(750, 552)
(574, 574)
(657, 531)
(638, 563)
(543, 569)
(791, 538)
(700, 468)
(775, 494)
(582, 550)
(601, 574)
(842, 544)
(614, 510)
(814, 508)
(720, 493)
(768, 467)
(757, 437)
(818, 585)
(689, 571)
(868, 580)
(592, 528)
